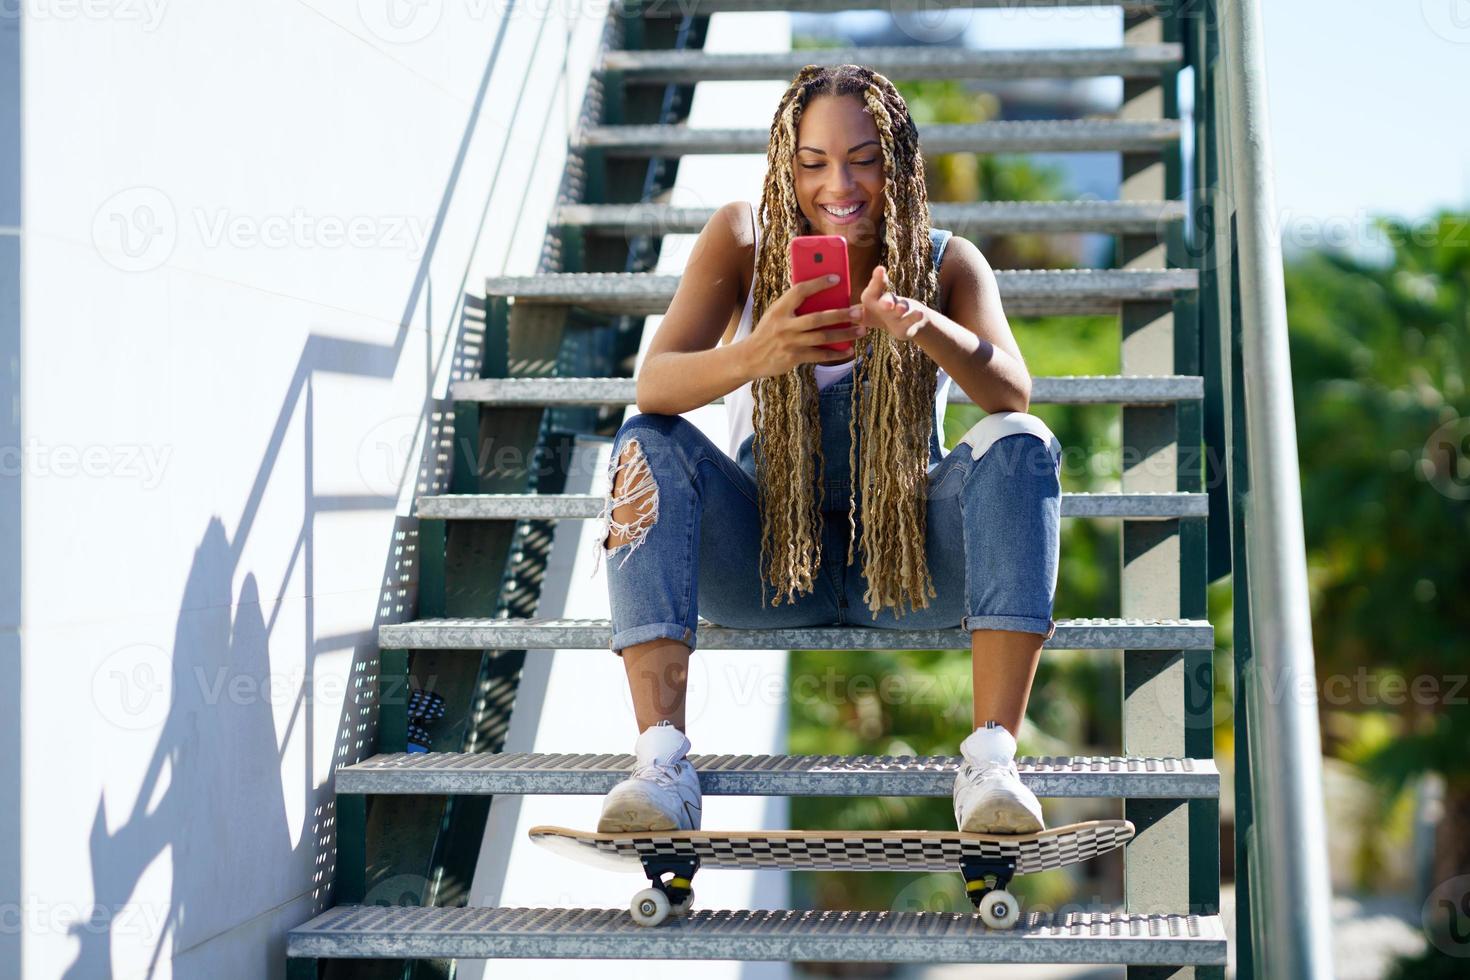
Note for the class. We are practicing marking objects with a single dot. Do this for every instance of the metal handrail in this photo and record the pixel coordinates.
(1290, 892)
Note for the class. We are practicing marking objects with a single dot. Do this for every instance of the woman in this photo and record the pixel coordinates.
(976, 531)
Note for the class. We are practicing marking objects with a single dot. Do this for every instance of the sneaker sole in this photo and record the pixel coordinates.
(634, 816)
(1002, 815)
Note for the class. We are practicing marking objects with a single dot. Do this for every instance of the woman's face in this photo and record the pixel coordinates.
(838, 164)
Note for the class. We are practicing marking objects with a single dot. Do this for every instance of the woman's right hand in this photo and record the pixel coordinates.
(783, 339)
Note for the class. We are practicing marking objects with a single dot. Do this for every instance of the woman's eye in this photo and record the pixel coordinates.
(818, 166)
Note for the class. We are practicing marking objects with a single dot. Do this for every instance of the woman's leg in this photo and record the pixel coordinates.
(1012, 504)
(993, 533)
(684, 537)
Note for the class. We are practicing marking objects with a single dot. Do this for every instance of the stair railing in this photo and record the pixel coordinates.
(1282, 888)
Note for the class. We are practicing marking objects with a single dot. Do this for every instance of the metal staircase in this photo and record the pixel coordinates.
(408, 824)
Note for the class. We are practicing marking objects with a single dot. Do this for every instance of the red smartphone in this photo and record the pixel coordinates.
(815, 256)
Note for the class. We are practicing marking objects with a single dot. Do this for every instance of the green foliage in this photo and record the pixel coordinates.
(1379, 359)
(1432, 964)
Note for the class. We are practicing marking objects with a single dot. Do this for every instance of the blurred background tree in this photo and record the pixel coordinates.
(1379, 354)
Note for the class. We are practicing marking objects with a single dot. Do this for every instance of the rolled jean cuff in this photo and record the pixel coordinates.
(653, 631)
(1019, 624)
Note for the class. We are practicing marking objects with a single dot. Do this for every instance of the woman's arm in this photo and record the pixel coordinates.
(973, 344)
(685, 366)
(681, 381)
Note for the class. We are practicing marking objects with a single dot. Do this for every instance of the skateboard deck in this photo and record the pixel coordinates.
(979, 857)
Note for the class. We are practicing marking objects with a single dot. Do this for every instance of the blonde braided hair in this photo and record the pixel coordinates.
(897, 416)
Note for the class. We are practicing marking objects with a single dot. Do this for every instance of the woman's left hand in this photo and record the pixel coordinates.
(900, 316)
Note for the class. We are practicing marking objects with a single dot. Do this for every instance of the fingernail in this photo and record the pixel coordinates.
(854, 311)
(832, 278)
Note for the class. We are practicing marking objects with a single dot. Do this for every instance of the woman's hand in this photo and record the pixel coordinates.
(900, 316)
(783, 339)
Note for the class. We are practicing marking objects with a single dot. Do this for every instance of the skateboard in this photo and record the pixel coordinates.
(981, 858)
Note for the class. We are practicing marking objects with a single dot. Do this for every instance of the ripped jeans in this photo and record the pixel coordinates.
(694, 548)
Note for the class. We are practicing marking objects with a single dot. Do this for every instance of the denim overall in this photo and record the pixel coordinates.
(703, 541)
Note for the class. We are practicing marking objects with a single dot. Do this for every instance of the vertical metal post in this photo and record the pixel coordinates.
(1229, 489)
(1166, 708)
(350, 881)
(393, 701)
(303, 968)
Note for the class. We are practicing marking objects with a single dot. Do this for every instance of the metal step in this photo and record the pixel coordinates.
(575, 506)
(927, 63)
(1003, 136)
(361, 932)
(596, 634)
(558, 773)
(1095, 389)
(987, 217)
(1036, 292)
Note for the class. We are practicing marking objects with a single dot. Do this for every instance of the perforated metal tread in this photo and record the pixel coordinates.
(993, 217)
(486, 773)
(825, 850)
(1004, 136)
(1084, 389)
(596, 634)
(353, 931)
(1024, 291)
(898, 63)
(582, 506)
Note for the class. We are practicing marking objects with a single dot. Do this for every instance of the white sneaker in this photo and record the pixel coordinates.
(989, 797)
(663, 792)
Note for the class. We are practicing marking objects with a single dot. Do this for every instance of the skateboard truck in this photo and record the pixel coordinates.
(998, 908)
(652, 905)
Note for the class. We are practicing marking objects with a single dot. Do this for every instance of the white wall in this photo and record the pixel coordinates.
(247, 232)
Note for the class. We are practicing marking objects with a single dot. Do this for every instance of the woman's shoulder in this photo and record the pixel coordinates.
(960, 261)
(731, 232)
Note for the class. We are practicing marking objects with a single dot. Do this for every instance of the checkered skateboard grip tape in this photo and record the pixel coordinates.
(877, 854)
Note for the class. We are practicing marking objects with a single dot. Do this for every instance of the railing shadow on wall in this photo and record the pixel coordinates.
(203, 737)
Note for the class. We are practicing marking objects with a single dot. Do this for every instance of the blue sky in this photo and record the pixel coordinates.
(1370, 101)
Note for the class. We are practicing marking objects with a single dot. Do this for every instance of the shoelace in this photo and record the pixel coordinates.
(661, 773)
(985, 768)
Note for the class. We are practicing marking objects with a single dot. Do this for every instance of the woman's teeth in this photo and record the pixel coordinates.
(843, 212)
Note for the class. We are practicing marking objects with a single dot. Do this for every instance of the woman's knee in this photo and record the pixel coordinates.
(996, 426)
(631, 506)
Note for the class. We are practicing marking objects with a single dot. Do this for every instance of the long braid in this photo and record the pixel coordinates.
(897, 415)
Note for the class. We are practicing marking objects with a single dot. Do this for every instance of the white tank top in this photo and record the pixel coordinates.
(740, 403)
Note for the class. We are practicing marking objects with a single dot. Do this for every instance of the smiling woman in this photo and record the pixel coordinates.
(840, 452)
(842, 137)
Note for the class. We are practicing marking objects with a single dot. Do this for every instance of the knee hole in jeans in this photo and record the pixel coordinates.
(631, 512)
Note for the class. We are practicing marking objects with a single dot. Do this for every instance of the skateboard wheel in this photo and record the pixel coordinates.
(682, 908)
(649, 907)
(999, 909)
